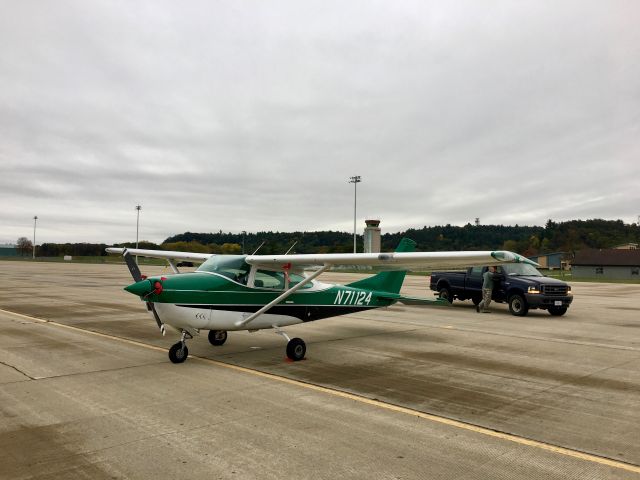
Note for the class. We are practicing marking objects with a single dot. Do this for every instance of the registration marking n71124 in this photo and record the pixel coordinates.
(352, 297)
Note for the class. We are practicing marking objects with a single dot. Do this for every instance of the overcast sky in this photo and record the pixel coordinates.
(252, 115)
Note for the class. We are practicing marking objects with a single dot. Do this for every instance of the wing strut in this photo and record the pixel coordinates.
(286, 294)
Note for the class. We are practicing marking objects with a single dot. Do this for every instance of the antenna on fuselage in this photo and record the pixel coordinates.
(256, 250)
(294, 244)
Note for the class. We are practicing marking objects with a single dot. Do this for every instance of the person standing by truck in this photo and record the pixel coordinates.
(487, 290)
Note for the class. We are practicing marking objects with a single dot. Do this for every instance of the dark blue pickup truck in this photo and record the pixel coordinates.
(520, 285)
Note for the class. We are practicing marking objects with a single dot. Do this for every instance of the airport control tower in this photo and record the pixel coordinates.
(372, 236)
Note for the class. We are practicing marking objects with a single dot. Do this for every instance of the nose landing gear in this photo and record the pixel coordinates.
(179, 352)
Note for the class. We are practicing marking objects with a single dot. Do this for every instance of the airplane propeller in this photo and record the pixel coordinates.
(137, 277)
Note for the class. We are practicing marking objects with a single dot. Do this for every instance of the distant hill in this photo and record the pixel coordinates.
(567, 236)
(570, 236)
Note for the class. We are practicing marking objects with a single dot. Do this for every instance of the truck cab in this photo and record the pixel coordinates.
(519, 285)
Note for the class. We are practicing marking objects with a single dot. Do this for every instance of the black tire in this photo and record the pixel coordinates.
(296, 348)
(178, 353)
(557, 311)
(217, 337)
(445, 292)
(476, 300)
(518, 305)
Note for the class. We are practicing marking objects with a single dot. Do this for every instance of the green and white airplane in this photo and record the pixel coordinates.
(255, 292)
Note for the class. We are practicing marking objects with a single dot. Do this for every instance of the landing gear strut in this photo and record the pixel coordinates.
(179, 352)
(296, 348)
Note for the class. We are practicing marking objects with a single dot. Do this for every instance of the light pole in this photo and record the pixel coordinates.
(138, 208)
(355, 180)
(35, 220)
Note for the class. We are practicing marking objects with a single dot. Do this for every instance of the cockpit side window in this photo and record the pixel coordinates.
(231, 266)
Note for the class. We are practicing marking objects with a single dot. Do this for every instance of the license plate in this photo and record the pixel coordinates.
(558, 303)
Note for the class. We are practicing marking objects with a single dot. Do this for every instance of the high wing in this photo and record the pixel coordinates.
(167, 255)
(382, 261)
(389, 261)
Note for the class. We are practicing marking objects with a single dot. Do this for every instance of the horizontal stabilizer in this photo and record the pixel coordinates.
(415, 300)
(434, 302)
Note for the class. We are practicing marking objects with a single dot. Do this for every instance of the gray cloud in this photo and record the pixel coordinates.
(252, 116)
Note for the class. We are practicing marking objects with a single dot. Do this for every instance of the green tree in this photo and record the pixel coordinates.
(510, 245)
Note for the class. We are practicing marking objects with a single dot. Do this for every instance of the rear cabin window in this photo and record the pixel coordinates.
(275, 280)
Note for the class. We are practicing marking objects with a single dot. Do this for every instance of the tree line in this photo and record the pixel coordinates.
(568, 237)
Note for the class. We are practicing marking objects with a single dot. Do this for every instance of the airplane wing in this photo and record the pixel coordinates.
(164, 254)
(390, 261)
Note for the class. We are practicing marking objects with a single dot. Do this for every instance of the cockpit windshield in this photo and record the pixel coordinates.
(519, 269)
(231, 266)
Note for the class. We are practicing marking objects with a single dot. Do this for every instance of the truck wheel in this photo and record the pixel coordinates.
(445, 293)
(518, 305)
(557, 311)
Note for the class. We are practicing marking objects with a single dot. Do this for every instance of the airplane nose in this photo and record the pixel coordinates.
(140, 288)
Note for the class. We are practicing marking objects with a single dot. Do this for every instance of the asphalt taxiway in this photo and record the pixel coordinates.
(87, 390)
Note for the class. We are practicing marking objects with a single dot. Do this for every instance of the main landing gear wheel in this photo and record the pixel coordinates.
(296, 348)
(178, 352)
(217, 337)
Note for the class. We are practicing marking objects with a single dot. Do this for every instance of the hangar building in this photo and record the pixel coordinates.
(609, 264)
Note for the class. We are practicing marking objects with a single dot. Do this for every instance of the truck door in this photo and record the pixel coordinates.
(474, 279)
(499, 292)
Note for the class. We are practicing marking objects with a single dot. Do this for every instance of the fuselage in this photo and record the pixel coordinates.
(224, 292)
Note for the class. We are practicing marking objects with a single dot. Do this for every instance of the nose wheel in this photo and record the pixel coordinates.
(179, 352)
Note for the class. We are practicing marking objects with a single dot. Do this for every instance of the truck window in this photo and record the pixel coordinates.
(477, 271)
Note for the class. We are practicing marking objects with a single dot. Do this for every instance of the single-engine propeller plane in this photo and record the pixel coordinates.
(255, 292)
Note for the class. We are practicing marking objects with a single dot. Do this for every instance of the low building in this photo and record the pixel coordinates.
(609, 264)
(627, 246)
(8, 250)
(552, 261)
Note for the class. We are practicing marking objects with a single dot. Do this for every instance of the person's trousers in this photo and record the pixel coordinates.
(486, 300)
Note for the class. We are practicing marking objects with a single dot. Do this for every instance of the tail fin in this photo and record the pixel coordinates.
(387, 281)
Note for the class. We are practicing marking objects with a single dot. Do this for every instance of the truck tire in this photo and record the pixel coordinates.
(445, 292)
(557, 311)
(518, 305)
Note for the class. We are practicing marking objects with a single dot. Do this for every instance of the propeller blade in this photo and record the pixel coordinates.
(137, 277)
(133, 266)
(152, 307)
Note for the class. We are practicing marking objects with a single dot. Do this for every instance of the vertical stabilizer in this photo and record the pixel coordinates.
(387, 281)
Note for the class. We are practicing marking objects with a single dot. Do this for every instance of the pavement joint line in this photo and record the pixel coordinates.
(84, 330)
(369, 401)
(526, 337)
